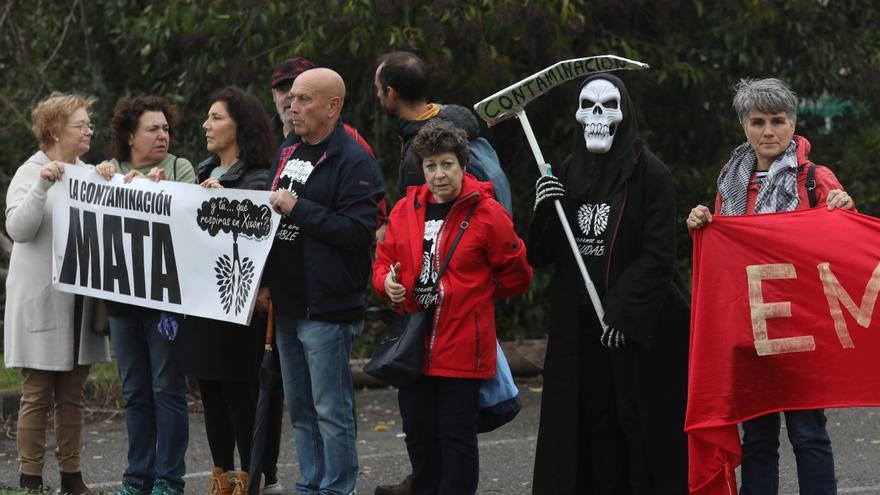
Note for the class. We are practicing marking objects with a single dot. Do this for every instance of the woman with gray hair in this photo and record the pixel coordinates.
(771, 172)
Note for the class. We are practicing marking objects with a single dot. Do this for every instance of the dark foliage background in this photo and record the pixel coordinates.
(184, 49)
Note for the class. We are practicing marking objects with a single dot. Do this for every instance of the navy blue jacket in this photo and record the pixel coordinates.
(337, 216)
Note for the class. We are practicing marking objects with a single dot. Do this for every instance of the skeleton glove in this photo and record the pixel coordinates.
(547, 189)
(612, 338)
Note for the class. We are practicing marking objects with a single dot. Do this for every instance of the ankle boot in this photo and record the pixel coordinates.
(72, 484)
(219, 483)
(30, 483)
(402, 488)
(240, 483)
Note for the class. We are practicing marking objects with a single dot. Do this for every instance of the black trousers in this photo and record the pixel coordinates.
(440, 422)
(229, 420)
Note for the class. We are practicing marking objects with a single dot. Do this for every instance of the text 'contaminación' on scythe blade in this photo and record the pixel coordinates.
(511, 101)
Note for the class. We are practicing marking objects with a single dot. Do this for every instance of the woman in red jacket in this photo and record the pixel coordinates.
(440, 410)
(769, 173)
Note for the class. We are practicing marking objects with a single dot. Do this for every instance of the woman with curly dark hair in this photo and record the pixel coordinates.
(225, 357)
(140, 139)
(450, 212)
(149, 361)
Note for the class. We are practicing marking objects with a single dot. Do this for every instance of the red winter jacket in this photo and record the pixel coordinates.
(488, 264)
(825, 182)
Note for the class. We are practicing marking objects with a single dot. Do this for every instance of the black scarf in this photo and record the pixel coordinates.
(594, 177)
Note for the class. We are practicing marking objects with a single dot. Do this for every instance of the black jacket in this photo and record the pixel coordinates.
(337, 213)
(219, 350)
(645, 298)
(239, 176)
(278, 130)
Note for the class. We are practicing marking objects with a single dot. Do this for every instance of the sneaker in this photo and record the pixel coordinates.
(164, 487)
(128, 489)
(273, 488)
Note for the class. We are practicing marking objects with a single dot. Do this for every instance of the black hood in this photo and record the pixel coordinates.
(595, 177)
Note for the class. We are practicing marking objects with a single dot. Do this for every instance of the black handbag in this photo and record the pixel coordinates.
(398, 358)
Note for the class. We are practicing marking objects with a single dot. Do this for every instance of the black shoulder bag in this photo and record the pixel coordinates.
(398, 358)
(810, 183)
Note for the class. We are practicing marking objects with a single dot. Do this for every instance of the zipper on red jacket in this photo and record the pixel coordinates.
(438, 242)
(477, 337)
(440, 293)
(614, 236)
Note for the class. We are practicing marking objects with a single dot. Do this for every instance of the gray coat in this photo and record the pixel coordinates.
(39, 328)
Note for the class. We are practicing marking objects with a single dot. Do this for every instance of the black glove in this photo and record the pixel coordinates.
(548, 188)
(612, 338)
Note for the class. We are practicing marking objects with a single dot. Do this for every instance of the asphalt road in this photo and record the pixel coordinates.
(506, 455)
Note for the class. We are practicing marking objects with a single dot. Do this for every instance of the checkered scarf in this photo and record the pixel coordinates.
(778, 192)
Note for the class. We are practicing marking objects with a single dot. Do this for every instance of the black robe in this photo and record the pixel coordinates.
(645, 298)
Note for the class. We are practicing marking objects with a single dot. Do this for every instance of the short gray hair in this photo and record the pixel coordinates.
(764, 95)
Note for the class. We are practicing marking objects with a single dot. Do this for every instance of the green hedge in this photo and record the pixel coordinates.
(184, 49)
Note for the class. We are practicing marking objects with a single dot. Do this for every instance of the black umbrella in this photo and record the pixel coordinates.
(270, 373)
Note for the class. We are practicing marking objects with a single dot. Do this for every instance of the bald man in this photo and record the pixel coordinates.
(327, 193)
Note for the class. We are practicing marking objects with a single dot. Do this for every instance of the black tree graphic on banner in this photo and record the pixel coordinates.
(235, 276)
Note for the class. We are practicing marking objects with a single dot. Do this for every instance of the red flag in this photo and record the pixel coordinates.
(782, 318)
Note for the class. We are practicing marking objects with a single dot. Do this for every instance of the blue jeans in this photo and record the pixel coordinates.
(317, 384)
(812, 451)
(154, 390)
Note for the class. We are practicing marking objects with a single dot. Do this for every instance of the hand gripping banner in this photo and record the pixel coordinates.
(164, 245)
(782, 318)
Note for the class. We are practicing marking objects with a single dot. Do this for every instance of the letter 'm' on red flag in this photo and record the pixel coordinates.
(782, 318)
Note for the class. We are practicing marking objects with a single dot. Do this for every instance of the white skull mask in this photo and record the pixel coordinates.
(599, 114)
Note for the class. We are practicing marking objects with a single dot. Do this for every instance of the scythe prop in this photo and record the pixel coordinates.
(511, 102)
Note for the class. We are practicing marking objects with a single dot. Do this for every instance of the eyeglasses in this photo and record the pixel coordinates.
(82, 126)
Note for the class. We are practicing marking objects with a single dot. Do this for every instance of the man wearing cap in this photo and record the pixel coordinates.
(327, 192)
(280, 83)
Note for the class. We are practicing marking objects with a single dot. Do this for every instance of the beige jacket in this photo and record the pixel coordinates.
(38, 324)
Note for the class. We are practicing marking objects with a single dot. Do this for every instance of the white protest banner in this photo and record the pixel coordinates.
(164, 245)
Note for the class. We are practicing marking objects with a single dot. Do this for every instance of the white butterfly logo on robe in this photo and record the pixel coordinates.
(593, 217)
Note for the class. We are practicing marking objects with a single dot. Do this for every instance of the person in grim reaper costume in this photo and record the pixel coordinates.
(613, 406)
